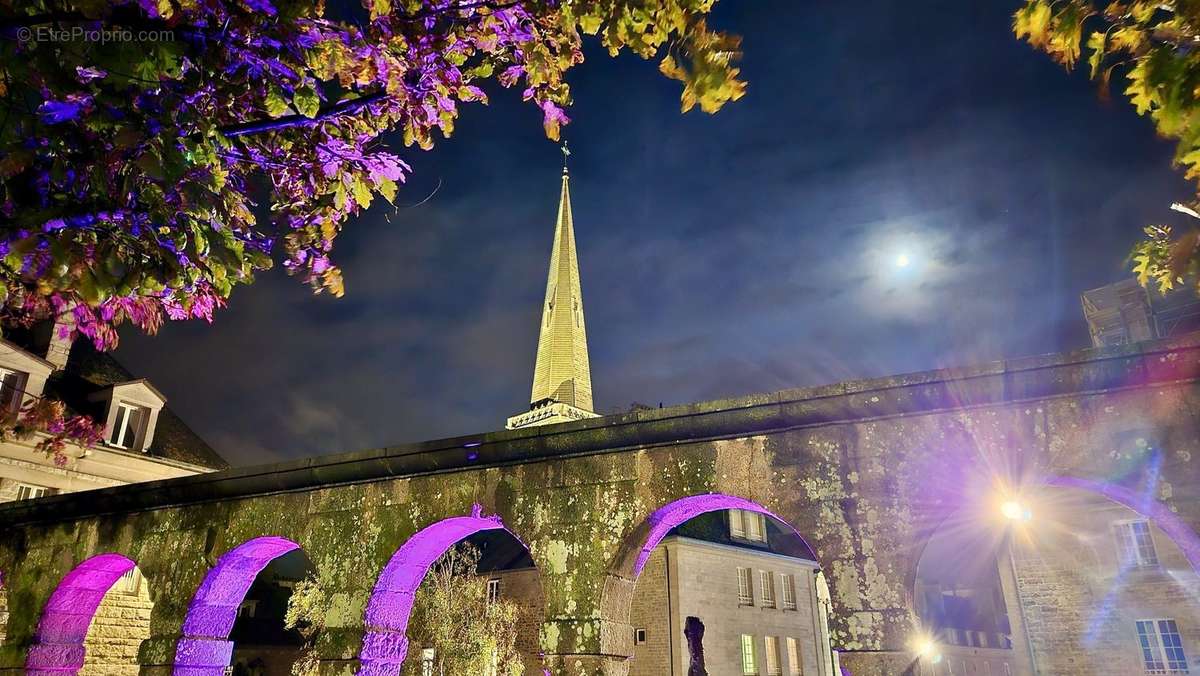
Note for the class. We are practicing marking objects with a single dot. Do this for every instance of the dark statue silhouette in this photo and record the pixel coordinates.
(693, 629)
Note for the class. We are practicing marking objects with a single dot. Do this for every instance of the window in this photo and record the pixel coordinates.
(1162, 648)
(767, 581)
(756, 530)
(127, 426)
(737, 526)
(249, 608)
(1136, 544)
(745, 587)
(749, 664)
(493, 590)
(639, 636)
(788, 591)
(128, 584)
(747, 525)
(427, 659)
(12, 386)
(28, 492)
(771, 644)
(794, 667)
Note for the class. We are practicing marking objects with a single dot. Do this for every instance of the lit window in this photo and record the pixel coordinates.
(749, 664)
(12, 385)
(127, 425)
(737, 526)
(767, 583)
(788, 591)
(1135, 544)
(27, 492)
(772, 655)
(745, 587)
(756, 530)
(493, 590)
(427, 658)
(794, 667)
(1162, 648)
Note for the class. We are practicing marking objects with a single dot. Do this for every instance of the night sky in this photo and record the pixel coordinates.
(722, 255)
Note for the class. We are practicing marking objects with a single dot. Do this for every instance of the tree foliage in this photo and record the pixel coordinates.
(140, 140)
(1154, 45)
(48, 421)
(469, 633)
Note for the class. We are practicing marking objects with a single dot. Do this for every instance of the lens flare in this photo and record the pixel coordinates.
(1015, 511)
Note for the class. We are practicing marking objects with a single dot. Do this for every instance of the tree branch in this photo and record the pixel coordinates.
(287, 121)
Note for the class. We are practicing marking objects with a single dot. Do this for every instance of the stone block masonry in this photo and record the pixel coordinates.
(121, 623)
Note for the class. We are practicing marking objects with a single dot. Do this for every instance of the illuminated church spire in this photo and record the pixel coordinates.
(562, 379)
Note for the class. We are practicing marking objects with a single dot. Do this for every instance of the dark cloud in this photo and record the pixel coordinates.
(721, 255)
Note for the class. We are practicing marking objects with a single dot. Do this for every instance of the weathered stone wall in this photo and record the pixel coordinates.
(524, 587)
(121, 623)
(650, 611)
(1081, 607)
(864, 470)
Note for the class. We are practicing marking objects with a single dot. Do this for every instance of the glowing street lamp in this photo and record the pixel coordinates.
(925, 648)
(1015, 511)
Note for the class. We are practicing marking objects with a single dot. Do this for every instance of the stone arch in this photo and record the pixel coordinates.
(204, 649)
(643, 539)
(385, 643)
(58, 643)
(1066, 551)
(1144, 504)
(617, 595)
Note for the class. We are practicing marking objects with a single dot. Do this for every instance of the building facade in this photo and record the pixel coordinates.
(763, 606)
(143, 441)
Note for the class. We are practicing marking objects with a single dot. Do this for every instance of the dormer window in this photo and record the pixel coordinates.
(131, 414)
(12, 386)
(127, 425)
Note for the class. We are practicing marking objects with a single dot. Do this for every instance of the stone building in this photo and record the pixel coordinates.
(144, 441)
(753, 585)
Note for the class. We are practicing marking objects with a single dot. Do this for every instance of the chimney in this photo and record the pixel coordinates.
(54, 337)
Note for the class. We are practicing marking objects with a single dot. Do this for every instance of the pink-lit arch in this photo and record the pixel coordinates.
(385, 644)
(1147, 506)
(676, 513)
(58, 642)
(205, 648)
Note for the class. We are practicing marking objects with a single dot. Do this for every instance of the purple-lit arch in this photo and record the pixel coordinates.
(58, 642)
(385, 644)
(205, 648)
(676, 513)
(1147, 506)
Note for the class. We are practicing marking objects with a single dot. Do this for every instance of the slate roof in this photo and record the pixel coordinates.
(89, 371)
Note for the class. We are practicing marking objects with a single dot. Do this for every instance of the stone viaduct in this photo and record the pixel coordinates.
(864, 471)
